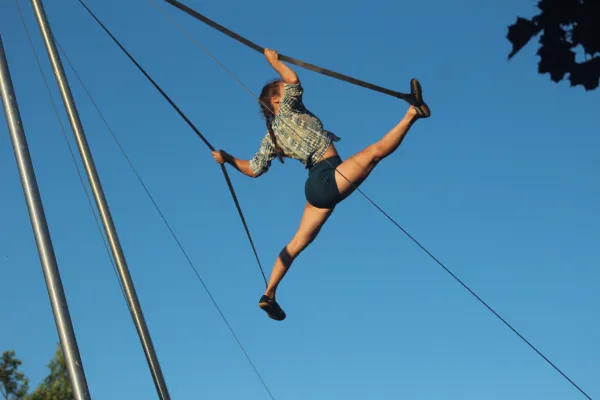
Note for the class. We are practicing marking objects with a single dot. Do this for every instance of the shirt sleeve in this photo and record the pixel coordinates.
(292, 96)
(260, 163)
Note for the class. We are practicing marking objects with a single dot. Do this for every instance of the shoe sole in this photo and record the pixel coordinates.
(263, 305)
(416, 90)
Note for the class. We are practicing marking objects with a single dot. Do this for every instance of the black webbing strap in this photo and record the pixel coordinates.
(288, 59)
(210, 146)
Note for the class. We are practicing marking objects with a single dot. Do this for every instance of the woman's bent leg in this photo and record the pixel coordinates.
(352, 172)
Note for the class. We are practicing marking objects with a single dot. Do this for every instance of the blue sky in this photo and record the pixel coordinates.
(501, 184)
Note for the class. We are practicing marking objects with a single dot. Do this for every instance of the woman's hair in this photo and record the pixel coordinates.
(269, 90)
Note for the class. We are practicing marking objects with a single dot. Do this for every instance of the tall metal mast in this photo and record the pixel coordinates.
(90, 168)
(39, 224)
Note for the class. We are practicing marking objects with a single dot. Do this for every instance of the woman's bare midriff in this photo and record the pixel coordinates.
(330, 152)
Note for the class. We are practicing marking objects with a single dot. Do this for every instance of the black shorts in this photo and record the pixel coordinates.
(320, 189)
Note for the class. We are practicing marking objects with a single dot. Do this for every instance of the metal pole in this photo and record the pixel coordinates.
(41, 233)
(90, 168)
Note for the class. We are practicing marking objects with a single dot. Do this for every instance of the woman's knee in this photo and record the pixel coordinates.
(376, 153)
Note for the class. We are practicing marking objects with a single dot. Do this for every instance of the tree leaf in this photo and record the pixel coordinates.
(520, 33)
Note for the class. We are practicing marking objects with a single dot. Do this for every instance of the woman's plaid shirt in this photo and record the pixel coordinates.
(299, 133)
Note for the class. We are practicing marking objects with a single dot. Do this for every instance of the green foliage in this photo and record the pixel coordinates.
(565, 26)
(13, 384)
(57, 385)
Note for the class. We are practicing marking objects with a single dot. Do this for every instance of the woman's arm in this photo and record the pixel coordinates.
(286, 73)
(243, 166)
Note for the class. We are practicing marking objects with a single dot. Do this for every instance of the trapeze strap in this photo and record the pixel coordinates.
(285, 58)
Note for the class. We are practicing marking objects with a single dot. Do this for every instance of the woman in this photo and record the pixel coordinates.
(294, 132)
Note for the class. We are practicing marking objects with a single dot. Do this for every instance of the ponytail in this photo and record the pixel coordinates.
(270, 90)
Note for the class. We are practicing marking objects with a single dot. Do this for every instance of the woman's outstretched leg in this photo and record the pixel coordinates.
(311, 223)
(358, 167)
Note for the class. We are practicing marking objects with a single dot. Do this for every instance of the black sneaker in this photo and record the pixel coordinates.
(417, 93)
(271, 307)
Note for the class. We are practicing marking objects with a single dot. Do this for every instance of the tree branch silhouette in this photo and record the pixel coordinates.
(564, 27)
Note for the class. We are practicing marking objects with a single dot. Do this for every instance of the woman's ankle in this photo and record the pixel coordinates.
(411, 113)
